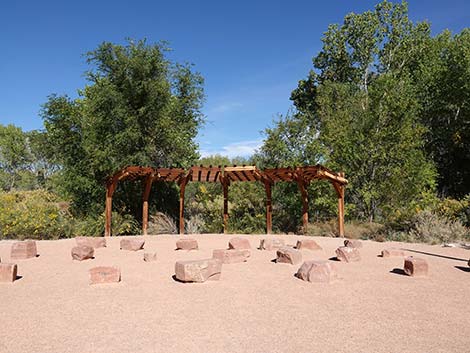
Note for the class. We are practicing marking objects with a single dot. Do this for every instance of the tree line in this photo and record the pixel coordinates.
(385, 101)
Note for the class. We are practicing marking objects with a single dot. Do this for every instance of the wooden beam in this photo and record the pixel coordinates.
(269, 208)
(145, 203)
(110, 188)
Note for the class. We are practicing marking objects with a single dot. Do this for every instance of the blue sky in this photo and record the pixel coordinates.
(251, 53)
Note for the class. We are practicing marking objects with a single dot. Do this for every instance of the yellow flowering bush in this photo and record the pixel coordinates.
(32, 215)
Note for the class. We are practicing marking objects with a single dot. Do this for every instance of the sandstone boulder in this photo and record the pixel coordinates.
(415, 267)
(231, 256)
(317, 271)
(390, 252)
(105, 274)
(239, 243)
(94, 242)
(271, 244)
(198, 270)
(353, 243)
(347, 254)
(23, 250)
(186, 244)
(8, 272)
(309, 244)
(288, 256)
(82, 252)
(150, 257)
(132, 244)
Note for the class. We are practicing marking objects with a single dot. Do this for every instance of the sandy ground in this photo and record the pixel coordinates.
(258, 306)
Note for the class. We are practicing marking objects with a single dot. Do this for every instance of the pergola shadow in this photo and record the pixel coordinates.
(226, 175)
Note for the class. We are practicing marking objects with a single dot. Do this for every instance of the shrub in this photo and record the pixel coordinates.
(429, 227)
(455, 209)
(161, 223)
(353, 229)
(195, 225)
(93, 225)
(33, 214)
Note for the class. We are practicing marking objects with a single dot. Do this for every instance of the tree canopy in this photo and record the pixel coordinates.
(368, 108)
(138, 108)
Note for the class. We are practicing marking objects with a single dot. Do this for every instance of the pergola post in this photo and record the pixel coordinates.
(145, 204)
(341, 208)
(225, 184)
(183, 183)
(110, 187)
(340, 192)
(304, 195)
(269, 208)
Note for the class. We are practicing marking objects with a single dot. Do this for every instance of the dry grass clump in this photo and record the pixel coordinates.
(161, 223)
(429, 227)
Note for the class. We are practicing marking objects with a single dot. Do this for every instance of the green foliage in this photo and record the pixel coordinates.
(455, 210)
(359, 112)
(444, 81)
(15, 156)
(353, 230)
(121, 224)
(137, 109)
(32, 215)
(40, 214)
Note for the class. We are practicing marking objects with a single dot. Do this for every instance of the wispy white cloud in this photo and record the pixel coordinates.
(225, 107)
(236, 149)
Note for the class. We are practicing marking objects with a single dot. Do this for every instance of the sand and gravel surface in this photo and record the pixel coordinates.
(257, 306)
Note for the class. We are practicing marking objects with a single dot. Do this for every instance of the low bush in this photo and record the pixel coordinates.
(352, 229)
(33, 215)
(430, 227)
(93, 225)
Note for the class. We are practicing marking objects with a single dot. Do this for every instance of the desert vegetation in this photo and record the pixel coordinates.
(386, 102)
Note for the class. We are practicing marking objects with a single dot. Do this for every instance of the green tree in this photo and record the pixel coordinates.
(15, 156)
(444, 82)
(138, 108)
(358, 112)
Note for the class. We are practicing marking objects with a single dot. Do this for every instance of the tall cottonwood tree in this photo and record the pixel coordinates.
(358, 111)
(138, 108)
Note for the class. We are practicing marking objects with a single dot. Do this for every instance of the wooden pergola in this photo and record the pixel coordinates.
(302, 176)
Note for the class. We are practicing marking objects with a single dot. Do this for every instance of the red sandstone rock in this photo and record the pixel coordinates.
(132, 244)
(105, 274)
(317, 271)
(231, 256)
(389, 252)
(149, 257)
(8, 272)
(416, 267)
(288, 256)
(239, 243)
(94, 242)
(198, 270)
(271, 244)
(82, 252)
(186, 244)
(23, 250)
(347, 254)
(309, 244)
(353, 243)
